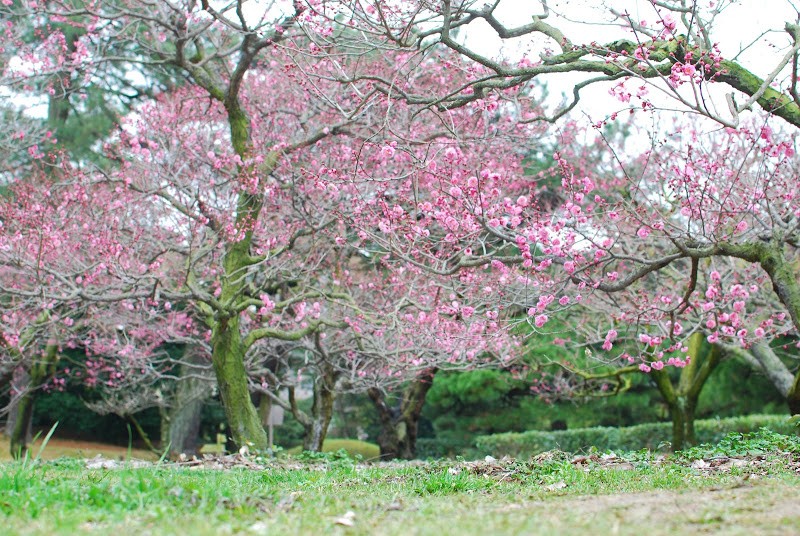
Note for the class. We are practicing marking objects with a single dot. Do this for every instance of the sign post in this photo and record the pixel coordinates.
(274, 418)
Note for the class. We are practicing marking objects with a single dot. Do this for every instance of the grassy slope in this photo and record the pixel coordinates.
(56, 448)
(354, 447)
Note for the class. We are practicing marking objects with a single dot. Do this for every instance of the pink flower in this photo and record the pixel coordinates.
(540, 320)
(387, 151)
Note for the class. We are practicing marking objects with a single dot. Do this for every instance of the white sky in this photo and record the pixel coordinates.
(740, 23)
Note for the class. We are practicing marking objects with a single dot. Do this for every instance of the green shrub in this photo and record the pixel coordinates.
(763, 441)
(642, 436)
(444, 447)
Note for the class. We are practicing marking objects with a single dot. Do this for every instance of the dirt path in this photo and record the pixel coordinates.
(752, 508)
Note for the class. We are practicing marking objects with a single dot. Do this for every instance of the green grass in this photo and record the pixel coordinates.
(353, 447)
(58, 448)
(640, 493)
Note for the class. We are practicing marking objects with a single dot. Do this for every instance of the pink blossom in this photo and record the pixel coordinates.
(387, 151)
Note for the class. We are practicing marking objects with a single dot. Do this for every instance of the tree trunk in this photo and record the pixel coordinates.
(321, 413)
(682, 414)
(240, 412)
(681, 399)
(21, 431)
(228, 348)
(19, 384)
(182, 428)
(761, 357)
(793, 398)
(39, 373)
(782, 274)
(399, 424)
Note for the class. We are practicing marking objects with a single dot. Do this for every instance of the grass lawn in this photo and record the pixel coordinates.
(354, 447)
(58, 448)
(742, 487)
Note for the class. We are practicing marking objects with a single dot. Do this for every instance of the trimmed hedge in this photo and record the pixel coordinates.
(436, 448)
(642, 436)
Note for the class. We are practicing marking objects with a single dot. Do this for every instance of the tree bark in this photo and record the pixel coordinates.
(761, 356)
(39, 373)
(240, 412)
(228, 348)
(321, 413)
(682, 414)
(399, 424)
(793, 399)
(182, 430)
(21, 432)
(681, 399)
(18, 384)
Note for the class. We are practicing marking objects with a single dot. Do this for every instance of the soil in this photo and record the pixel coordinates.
(752, 507)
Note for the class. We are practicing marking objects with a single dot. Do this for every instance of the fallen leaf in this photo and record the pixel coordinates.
(347, 520)
(557, 486)
(259, 527)
(396, 505)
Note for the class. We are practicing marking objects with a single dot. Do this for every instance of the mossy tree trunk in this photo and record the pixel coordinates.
(240, 412)
(770, 255)
(399, 423)
(222, 315)
(40, 371)
(681, 399)
(224, 82)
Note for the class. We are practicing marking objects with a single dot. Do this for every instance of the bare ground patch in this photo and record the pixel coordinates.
(751, 507)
